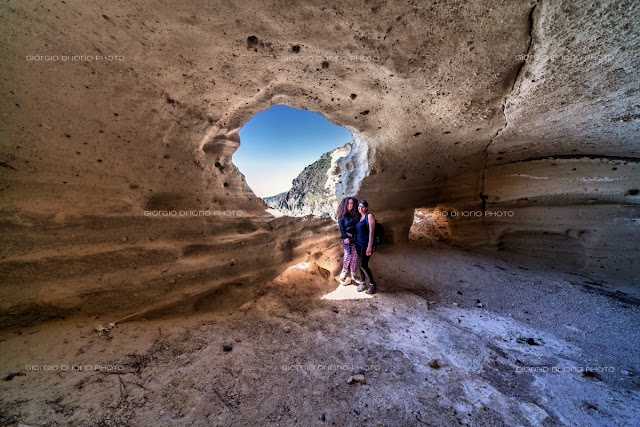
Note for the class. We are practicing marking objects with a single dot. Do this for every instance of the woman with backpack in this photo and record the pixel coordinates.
(347, 219)
(364, 245)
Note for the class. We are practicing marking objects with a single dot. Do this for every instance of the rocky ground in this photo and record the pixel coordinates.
(451, 337)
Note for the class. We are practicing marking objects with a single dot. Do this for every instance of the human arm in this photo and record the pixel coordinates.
(344, 234)
(343, 229)
(372, 225)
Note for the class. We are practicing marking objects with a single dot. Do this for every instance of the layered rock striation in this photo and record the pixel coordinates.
(112, 111)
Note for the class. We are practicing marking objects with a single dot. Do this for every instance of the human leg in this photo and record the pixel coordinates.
(346, 261)
(365, 271)
(353, 264)
(352, 259)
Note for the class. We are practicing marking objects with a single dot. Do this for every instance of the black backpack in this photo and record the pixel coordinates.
(378, 235)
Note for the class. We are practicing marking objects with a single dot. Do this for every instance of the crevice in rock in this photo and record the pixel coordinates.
(578, 157)
(482, 196)
(522, 64)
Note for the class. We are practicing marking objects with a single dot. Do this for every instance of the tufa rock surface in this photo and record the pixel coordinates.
(529, 107)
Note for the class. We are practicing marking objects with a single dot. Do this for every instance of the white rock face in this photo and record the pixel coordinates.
(350, 169)
(334, 174)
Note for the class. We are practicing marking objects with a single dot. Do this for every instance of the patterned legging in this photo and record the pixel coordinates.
(350, 259)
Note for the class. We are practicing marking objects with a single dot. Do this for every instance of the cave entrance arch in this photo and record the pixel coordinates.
(295, 160)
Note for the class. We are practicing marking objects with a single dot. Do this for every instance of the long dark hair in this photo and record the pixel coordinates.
(342, 209)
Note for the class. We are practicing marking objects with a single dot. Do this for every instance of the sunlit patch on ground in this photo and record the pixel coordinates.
(346, 292)
(300, 266)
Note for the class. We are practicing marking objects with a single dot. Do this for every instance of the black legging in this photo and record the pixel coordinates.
(363, 260)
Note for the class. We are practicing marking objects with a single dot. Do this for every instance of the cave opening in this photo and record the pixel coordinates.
(289, 158)
(430, 226)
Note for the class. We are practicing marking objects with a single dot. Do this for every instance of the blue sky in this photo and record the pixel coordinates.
(276, 144)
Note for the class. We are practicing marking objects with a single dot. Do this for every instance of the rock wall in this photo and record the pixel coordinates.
(565, 163)
(454, 100)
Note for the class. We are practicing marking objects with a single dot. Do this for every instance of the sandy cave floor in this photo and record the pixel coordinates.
(490, 324)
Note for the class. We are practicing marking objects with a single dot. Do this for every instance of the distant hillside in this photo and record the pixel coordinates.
(273, 201)
(308, 195)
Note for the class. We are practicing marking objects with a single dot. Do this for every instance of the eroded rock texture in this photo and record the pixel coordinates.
(525, 106)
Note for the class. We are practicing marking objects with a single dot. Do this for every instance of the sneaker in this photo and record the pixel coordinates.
(343, 275)
(346, 282)
(372, 289)
(360, 287)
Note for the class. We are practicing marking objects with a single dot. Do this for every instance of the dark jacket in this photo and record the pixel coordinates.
(347, 225)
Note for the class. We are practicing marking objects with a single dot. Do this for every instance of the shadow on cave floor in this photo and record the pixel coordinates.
(451, 337)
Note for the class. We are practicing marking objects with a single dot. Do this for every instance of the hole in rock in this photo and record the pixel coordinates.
(431, 225)
(298, 162)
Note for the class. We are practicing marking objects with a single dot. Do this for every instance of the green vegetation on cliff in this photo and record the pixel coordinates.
(307, 194)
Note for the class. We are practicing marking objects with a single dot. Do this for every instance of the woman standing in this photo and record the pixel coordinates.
(364, 245)
(347, 219)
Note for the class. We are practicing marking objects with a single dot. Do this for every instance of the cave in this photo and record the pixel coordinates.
(143, 282)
